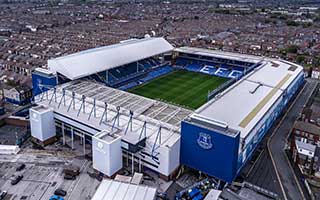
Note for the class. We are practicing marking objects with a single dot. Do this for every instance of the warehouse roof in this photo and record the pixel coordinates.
(114, 190)
(245, 103)
(96, 60)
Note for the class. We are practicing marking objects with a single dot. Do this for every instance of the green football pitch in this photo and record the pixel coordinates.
(189, 89)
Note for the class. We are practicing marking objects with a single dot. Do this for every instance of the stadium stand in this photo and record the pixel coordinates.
(133, 74)
(222, 68)
(124, 71)
(140, 72)
(160, 71)
(194, 67)
(126, 74)
(145, 64)
(223, 72)
(182, 62)
(129, 85)
(100, 77)
(235, 74)
(209, 70)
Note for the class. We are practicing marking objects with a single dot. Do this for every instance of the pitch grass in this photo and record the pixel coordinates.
(189, 89)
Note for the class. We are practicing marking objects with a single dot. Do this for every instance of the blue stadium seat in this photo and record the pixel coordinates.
(223, 72)
(128, 86)
(194, 67)
(124, 71)
(158, 72)
(235, 74)
(182, 62)
(208, 70)
(216, 67)
(238, 68)
(123, 74)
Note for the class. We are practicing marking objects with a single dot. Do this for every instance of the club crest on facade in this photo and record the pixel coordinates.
(204, 141)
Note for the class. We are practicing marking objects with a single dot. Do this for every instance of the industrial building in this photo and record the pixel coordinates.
(84, 95)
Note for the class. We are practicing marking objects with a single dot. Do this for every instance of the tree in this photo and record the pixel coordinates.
(292, 49)
(292, 23)
(300, 59)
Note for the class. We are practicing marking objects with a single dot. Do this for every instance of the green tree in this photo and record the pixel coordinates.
(300, 59)
(292, 23)
(292, 49)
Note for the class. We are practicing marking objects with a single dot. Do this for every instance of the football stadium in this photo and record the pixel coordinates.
(143, 103)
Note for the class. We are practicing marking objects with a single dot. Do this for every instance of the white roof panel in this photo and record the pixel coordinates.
(234, 106)
(213, 195)
(245, 103)
(96, 60)
(274, 71)
(114, 190)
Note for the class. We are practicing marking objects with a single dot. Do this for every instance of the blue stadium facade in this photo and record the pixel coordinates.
(209, 150)
(42, 80)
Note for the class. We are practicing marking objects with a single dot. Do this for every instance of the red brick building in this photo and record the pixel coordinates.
(305, 147)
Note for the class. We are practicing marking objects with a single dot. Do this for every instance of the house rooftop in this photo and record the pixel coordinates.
(307, 127)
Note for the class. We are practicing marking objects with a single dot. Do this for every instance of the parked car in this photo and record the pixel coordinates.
(162, 196)
(3, 194)
(60, 192)
(91, 173)
(56, 197)
(16, 180)
(71, 170)
(20, 167)
(69, 177)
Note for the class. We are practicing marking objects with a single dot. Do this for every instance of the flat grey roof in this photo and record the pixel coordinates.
(307, 127)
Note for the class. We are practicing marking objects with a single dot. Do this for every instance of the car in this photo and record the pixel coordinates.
(71, 170)
(162, 196)
(3, 194)
(60, 192)
(56, 197)
(92, 174)
(16, 180)
(69, 177)
(20, 167)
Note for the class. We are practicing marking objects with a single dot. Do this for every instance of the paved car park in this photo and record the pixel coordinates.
(43, 175)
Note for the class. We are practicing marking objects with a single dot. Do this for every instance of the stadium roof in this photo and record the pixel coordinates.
(219, 54)
(96, 60)
(157, 114)
(244, 104)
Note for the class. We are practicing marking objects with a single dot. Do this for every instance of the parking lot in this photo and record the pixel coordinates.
(43, 174)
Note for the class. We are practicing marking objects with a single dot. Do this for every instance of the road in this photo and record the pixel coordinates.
(263, 174)
(278, 141)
